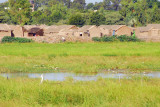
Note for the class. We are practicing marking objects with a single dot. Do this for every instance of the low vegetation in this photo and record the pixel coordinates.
(79, 57)
(29, 92)
(8, 39)
(122, 38)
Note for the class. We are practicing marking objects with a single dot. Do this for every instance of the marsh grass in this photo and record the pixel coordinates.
(79, 57)
(103, 92)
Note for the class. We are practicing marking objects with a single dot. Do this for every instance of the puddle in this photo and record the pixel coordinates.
(79, 76)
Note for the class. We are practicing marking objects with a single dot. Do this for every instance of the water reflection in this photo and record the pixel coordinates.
(78, 77)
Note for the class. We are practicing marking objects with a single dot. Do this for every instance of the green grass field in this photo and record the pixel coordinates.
(79, 57)
(83, 58)
(101, 93)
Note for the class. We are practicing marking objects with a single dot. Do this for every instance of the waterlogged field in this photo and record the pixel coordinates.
(79, 57)
(25, 92)
(136, 91)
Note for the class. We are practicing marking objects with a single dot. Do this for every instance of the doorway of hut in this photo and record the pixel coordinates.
(12, 34)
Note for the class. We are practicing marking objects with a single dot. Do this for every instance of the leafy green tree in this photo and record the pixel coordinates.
(153, 14)
(97, 6)
(77, 20)
(20, 11)
(2, 15)
(150, 3)
(3, 12)
(134, 12)
(107, 4)
(113, 18)
(68, 3)
(97, 19)
(90, 5)
(78, 4)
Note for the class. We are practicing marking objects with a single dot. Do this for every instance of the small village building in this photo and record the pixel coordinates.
(33, 31)
(67, 30)
(51, 30)
(143, 33)
(110, 30)
(36, 31)
(5, 30)
(106, 30)
(89, 31)
(155, 31)
(17, 30)
(149, 33)
(62, 30)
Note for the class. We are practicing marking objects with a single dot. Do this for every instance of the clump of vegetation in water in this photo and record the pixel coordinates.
(122, 38)
(9, 39)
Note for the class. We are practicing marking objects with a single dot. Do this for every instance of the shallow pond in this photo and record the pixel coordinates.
(80, 77)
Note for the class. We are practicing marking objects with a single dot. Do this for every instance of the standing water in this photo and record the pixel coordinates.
(78, 77)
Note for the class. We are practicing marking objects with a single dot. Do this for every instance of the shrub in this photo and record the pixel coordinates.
(8, 39)
(97, 39)
(122, 38)
(108, 38)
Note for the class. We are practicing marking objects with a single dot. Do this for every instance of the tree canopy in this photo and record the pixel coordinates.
(129, 12)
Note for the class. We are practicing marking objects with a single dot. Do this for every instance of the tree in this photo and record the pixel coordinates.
(114, 18)
(2, 17)
(97, 19)
(77, 20)
(134, 12)
(3, 12)
(107, 4)
(153, 14)
(97, 6)
(115, 4)
(20, 11)
(150, 3)
(78, 4)
(90, 5)
(68, 3)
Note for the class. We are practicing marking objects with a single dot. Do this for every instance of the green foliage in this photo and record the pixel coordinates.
(77, 20)
(139, 12)
(130, 12)
(114, 18)
(96, 39)
(122, 38)
(8, 39)
(20, 11)
(90, 5)
(97, 19)
(108, 38)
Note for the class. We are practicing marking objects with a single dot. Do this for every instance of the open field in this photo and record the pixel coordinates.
(101, 93)
(79, 57)
(84, 58)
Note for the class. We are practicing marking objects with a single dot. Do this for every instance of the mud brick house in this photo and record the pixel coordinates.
(68, 30)
(51, 30)
(155, 29)
(33, 31)
(89, 31)
(63, 30)
(17, 30)
(118, 30)
(5, 30)
(149, 33)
